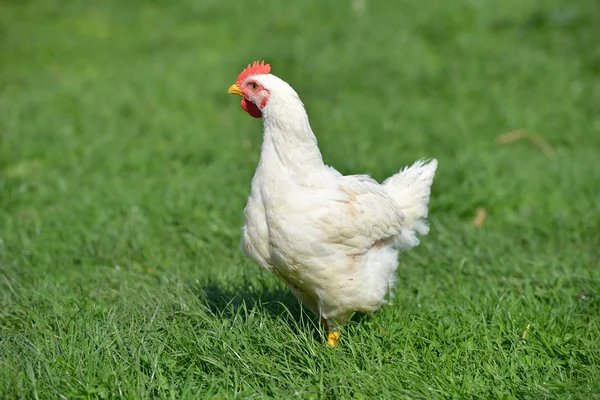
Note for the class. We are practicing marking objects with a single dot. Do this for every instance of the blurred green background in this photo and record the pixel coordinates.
(125, 167)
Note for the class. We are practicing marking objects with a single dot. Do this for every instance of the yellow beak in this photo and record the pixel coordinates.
(235, 89)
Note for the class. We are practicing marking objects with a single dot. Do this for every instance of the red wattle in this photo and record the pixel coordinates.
(251, 108)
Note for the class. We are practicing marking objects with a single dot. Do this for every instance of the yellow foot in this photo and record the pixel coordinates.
(333, 338)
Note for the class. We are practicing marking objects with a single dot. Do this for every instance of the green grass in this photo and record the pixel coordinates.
(125, 167)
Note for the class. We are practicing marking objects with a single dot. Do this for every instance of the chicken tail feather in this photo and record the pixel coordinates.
(411, 188)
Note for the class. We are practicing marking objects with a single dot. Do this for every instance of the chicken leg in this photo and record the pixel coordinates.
(333, 336)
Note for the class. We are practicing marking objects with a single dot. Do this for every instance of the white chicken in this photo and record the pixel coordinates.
(333, 239)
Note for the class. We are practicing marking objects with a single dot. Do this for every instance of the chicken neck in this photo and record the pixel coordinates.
(289, 143)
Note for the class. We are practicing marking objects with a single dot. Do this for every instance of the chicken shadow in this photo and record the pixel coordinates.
(229, 300)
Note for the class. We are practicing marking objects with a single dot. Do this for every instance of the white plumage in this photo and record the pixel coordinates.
(333, 239)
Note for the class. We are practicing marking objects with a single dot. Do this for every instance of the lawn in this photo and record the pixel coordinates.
(125, 167)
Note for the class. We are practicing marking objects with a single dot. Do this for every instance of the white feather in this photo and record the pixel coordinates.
(333, 239)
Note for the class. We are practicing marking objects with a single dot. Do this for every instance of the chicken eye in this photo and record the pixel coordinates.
(254, 86)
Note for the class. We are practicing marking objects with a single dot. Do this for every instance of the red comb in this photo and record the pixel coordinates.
(254, 69)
